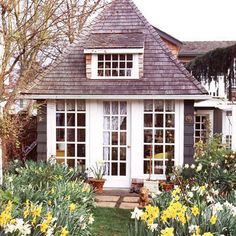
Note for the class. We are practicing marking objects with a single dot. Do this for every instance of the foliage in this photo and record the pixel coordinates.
(45, 200)
(219, 62)
(190, 211)
(98, 170)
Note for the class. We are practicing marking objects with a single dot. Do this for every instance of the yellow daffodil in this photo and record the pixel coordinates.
(207, 234)
(213, 219)
(195, 210)
(167, 232)
(64, 232)
(72, 207)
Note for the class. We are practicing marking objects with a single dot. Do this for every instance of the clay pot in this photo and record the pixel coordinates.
(97, 184)
(167, 186)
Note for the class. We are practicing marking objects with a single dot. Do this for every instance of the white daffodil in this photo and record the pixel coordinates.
(190, 194)
(186, 166)
(91, 219)
(136, 214)
(49, 232)
(10, 228)
(199, 167)
(210, 199)
(152, 227)
(193, 166)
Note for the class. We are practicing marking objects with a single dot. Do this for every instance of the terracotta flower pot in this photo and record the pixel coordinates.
(167, 186)
(97, 184)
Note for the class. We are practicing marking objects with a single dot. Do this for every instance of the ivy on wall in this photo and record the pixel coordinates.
(219, 62)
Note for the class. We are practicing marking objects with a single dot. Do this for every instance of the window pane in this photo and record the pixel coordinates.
(159, 136)
(70, 119)
(106, 108)
(122, 138)
(60, 135)
(106, 138)
(107, 73)
(129, 65)
(148, 105)
(115, 65)
(159, 105)
(170, 136)
(71, 150)
(122, 72)
(114, 108)
(159, 120)
(60, 119)
(106, 153)
(81, 105)
(170, 106)
(170, 120)
(158, 168)
(115, 57)
(106, 123)
(170, 152)
(159, 153)
(81, 166)
(60, 105)
(114, 153)
(147, 136)
(100, 65)
(100, 57)
(81, 120)
(81, 135)
(60, 147)
(70, 105)
(147, 167)
(114, 73)
(123, 123)
(114, 125)
(100, 73)
(148, 122)
(107, 65)
(122, 169)
(123, 108)
(71, 163)
(122, 64)
(122, 57)
(129, 57)
(114, 169)
(147, 151)
(71, 135)
(123, 154)
(81, 150)
(114, 138)
(108, 57)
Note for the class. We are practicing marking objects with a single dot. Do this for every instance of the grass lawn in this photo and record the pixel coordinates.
(110, 222)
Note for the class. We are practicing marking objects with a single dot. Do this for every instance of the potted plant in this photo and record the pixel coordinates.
(168, 185)
(97, 180)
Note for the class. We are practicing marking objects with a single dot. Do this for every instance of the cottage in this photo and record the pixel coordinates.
(118, 94)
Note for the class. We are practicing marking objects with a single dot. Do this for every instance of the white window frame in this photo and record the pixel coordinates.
(135, 71)
(179, 138)
(208, 113)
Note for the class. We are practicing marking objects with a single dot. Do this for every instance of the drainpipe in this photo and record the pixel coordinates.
(1, 157)
(234, 127)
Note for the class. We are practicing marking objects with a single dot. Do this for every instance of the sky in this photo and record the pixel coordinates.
(192, 19)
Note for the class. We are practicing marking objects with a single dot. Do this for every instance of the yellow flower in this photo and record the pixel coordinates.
(207, 234)
(44, 226)
(167, 232)
(72, 207)
(34, 221)
(36, 211)
(213, 220)
(49, 202)
(52, 190)
(64, 232)
(198, 230)
(195, 210)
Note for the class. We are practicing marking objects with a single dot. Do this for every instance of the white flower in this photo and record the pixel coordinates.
(225, 171)
(195, 188)
(9, 228)
(192, 229)
(25, 230)
(199, 167)
(83, 226)
(186, 166)
(136, 214)
(210, 199)
(190, 194)
(81, 219)
(152, 227)
(91, 219)
(192, 166)
(49, 232)
(217, 207)
(215, 192)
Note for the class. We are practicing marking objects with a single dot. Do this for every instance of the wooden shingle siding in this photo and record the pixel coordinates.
(161, 73)
(188, 132)
(42, 132)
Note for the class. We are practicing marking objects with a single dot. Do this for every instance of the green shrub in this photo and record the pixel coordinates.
(63, 204)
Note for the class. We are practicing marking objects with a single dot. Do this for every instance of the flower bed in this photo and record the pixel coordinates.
(42, 199)
(203, 204)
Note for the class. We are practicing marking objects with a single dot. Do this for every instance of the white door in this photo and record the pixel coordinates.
(116, 141)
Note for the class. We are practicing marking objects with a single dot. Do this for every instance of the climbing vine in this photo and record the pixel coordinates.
(219, 62)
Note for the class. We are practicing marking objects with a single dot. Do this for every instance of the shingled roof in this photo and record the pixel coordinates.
(197, 48)
(163, 73)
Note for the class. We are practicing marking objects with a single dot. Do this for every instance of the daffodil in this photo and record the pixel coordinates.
(213, 219)
(195, 210)
(64, 232)
(72, 207)
(167, 232)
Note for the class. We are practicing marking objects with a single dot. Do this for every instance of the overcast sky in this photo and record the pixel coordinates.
(192, 19)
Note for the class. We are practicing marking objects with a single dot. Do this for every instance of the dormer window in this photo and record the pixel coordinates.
(115, 63)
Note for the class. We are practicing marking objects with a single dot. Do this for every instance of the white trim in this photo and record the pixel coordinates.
(134, 75)
(234, 127)
(114, 50)
(118, 97)
(51, 129)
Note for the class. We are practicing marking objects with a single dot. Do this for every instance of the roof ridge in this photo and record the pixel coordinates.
(165, 48)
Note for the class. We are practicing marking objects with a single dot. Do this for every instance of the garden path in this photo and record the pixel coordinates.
(117, 199)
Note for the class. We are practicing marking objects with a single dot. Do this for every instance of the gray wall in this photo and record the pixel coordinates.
(188, 131)
(42, 131)
(217, 126)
